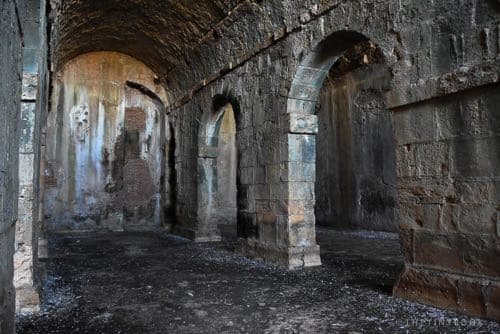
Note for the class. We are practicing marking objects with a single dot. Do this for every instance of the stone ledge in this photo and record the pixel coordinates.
(465, 78)
(196, 235)
(292, 257)
(456, 292)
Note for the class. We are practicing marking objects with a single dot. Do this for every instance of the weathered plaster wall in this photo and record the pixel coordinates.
(105, 136)
(10, 97)
(356, 168)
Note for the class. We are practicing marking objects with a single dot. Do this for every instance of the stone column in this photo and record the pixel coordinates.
(27, 299)
(33, 105)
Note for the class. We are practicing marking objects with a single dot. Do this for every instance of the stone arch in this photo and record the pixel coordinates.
(214, 206)
(302, 102)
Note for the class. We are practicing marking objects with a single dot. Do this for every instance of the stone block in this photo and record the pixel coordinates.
(26, 169)
(267, 229)
(246, 175)
(478, 218)
(406, 161)
(301, 191)
(209, 152)
(415, 126)
(304, 92)
(30, 87)
(450, 217)
(302, 107)
(300, 172)
(492, 301)
(470, 297)
(438, 250)
(477, 192)
(469, 254)
(309, 76)
(474, 158)
(27, 127)
(433, 159)
(406, 240)
(263, 206)
(302, 234)
(481, 254)
(302, 124)
(277, 173)
(302, 148)
(428, 287)
(259, 175)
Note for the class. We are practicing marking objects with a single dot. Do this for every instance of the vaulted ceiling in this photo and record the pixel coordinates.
(160, 33)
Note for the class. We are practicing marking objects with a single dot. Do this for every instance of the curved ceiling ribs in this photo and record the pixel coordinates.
(160, 33)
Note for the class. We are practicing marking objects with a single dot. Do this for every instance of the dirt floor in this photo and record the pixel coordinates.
(157, 283)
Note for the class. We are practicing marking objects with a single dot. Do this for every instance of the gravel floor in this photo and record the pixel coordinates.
(157, 283)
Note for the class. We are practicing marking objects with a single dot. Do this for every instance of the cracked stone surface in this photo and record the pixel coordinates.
(157, 283)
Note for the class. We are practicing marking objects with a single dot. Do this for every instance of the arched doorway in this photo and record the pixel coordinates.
(355, 153)
(340, 143)
(217, 170)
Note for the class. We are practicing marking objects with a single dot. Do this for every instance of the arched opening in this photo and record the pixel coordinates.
(355, 165)
(217, 170)
(343, 147)
(105, 135)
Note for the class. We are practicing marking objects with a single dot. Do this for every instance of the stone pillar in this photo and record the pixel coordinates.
(10, 97)
(33, 105)
(284, 221)
(27, 299)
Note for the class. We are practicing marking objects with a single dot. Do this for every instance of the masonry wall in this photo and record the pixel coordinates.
(433, 49)
(105, 146)
(10, 97)
(449, 160)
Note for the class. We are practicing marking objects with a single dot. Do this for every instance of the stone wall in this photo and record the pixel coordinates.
(271, 58)
(449, 186)
(432, 50)
(105, 142)
(10, 97)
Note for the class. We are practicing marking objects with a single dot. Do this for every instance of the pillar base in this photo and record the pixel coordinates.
(196, 235)
(475, 296)
(292, 257)
(27, 300)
